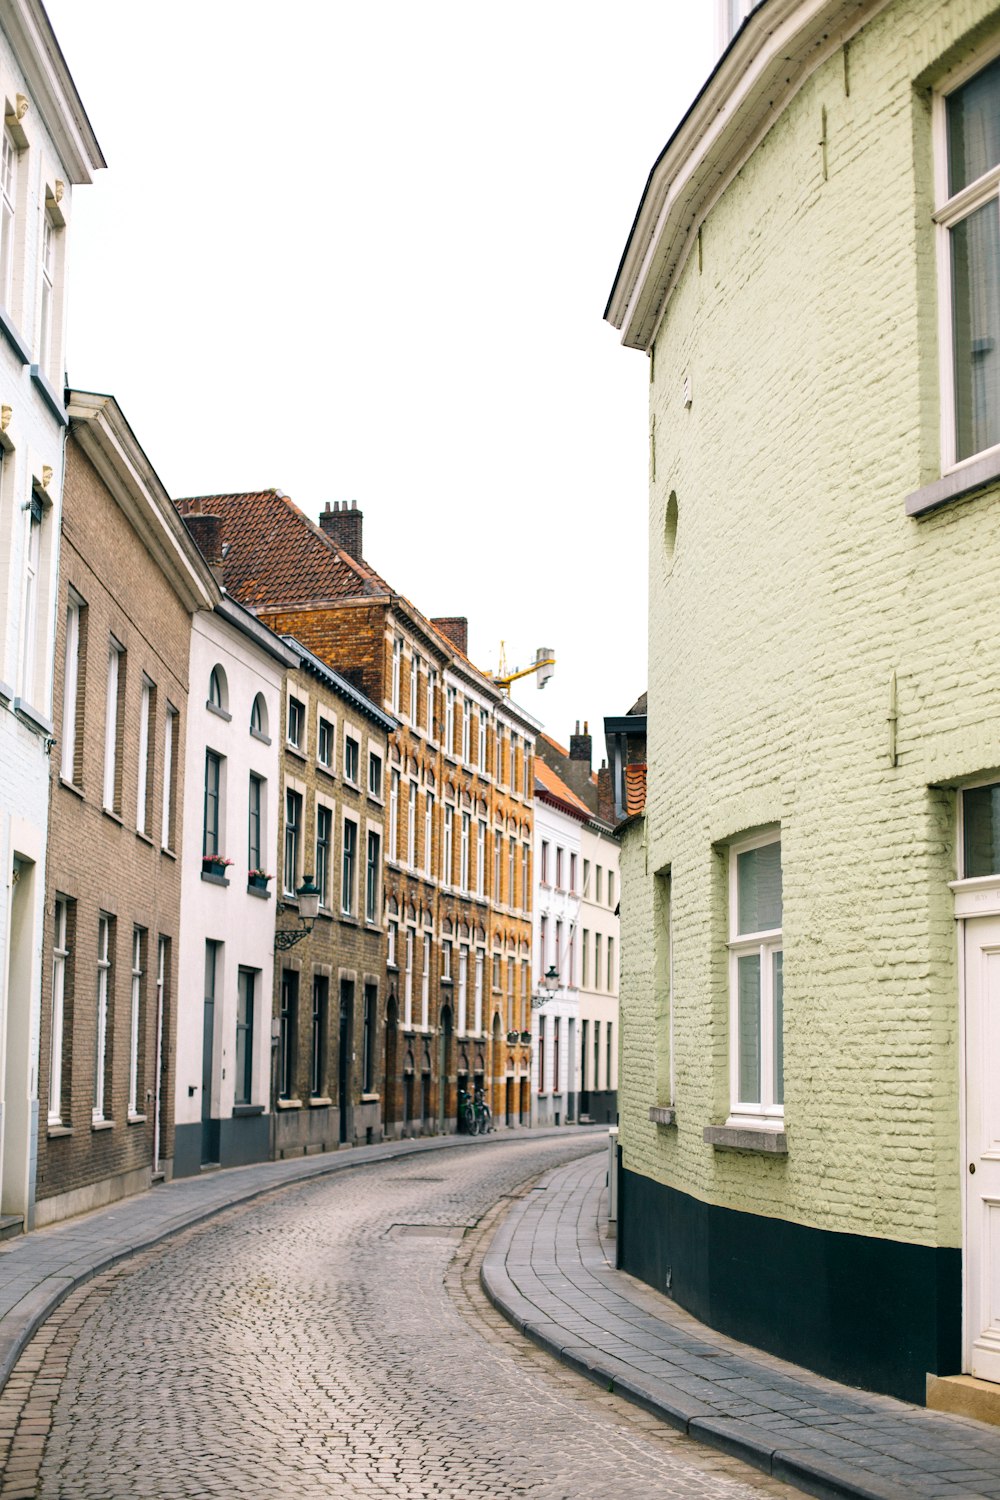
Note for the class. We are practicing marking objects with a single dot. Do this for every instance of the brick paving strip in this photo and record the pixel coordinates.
(37, 1271)
(550, 1271)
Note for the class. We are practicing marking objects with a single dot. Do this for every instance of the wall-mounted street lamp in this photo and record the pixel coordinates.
(547, 985)
(307, 911)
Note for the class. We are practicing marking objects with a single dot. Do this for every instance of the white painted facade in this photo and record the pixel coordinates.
(222, 910)
(555, 1021)
(47, 148)
(599, 969)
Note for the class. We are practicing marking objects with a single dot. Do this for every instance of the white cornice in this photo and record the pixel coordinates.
(51, 87)
(97, 424)
(778, 47)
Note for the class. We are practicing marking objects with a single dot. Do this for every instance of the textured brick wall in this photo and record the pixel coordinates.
(796, 588)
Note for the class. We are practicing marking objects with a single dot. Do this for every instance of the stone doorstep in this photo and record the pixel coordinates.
(964, 1396)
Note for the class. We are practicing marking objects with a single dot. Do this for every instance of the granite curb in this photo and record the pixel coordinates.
(40, 1269)
(547, 1272)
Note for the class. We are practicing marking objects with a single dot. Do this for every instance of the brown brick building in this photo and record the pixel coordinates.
(330, 987)
(130, 580)
(459, 818)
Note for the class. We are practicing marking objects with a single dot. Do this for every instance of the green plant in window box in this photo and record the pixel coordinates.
(214, 864)
(258, 879)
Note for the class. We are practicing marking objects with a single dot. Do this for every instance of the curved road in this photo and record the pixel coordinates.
(332, 1340)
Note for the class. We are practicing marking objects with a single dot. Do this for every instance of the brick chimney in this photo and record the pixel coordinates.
(206, 532)
(343, 525)
(456, 628)
(580, 746)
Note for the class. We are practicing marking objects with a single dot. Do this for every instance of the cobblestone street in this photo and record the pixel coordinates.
(332, 1339)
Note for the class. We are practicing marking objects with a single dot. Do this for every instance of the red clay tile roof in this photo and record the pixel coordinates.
(555, 788)
(555, 745)
(276, 556)
(635, 789)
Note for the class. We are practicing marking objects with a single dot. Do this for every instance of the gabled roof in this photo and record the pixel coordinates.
(552, 788)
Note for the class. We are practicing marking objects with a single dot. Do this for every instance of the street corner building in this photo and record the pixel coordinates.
(448, 809)
(810, 1093)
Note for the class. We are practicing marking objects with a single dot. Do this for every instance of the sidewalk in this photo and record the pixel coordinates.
(38, 1270)
(551, 1272)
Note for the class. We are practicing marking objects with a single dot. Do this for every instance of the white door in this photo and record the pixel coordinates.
(982, 1164)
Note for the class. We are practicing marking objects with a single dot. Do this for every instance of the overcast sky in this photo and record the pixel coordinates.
(362, 251)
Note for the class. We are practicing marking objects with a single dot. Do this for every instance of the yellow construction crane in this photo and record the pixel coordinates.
(544, 664)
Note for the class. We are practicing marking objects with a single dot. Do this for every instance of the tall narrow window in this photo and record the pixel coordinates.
(597, 1055)
(325, 742)
(449, 720)
(372, 866)
(61, 1029)
(320, 1009)
(296, 723)
(511, 1016)
(352, 759)
(425, 983)
(541, 1054)
(572, 873)
(32, 563)
(612, 974)
(8, 208)
(349, 871)
(466, 731)
(293, 837)
(414, 687)
(136, 1024)
(368, 1033)
(756, 980)
(411, 825)
(408, 980)
(480, 859)
(245, 998)
(525, 887)
(105, 1030)
(169, 777)
(463, 987)
(525, 993)
(447, 853)
(72, 697)
(511, 872)
(116, 655)
(324, 836)
(497, 861)
(543, 867)
(397, 660)
(477, 994)
(483, 723)
(48, 270)
(608, 1071)
(162, 1029)
(432, 678)
(394, 815)
(374, 775)
(288, 1029)
(428, 830)
(147, 709)
(597, 960)
(213, 798)
(556, 1070)
(585, 954)
(543, 943)
(463, 855)
(255, 824)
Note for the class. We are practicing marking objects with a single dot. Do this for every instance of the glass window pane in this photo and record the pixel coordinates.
(777, 981)
(749, 1027)
(758, 882)
(975, 265)
(981, 819)
(974, 128)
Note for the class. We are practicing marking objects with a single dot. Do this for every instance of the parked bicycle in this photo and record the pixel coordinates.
(467, 1117)
(484, 1115)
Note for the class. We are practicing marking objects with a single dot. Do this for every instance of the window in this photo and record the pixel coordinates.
(449, 721)
(543, 943)
(293, 835)
(213, 799)
(981, 831)
(288, 1027)
(511, 1020)
(373, 863)
(349, 866)
(466, 731)
(483, 722)
(556, 1038)
(609, 1030)
(8, 204)
(969, 217)
(296, 723)
(598, 884)
(585, 955)
(612, 975)
(497, 963)
(218, 693)
(525, 987)
(597, 1054)
(324, 839)
(397, 658)
(245, 996)
(571, 954)
(324, 742)
(447, 857)
(559, 949)
(408, 980)
(526, 762)
(586, 877)
(392, 943)
(112, 716)
(541, 1054)
(258, 718)
(755, 979)
(369, 1022)
(731, 14)
(463, 854)
(432, 678)
(169, 776)
(481, 859)
(352, 759)
(544, 869)
(136, 1023)
(105, 1027)
(497, 864)
(48, 271)
(446, 959)
(425, 983)
(597, 960)
(477, 1000)
(559, 868)
(255, 824)
(572, 873)
(511, 867)
(463, 987)
(525, 887)
(411, 825)
(428, 830)
(374, 774)
(394, 815)
(147, 710)
(62, 1029)
(70, 760)
(611, 888)
(414, 687)
(320, 1011)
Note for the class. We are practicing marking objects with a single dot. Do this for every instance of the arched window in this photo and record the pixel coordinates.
(258, 717)
(218, 690)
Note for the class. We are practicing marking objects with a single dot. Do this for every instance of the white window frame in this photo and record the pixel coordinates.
(449, 720)
(60, 955)
(115, 653)
(101, 1048)
(463, 988)
(167, 825)
(477, 995)
(8, 216)
(763, 1112)
(447, 846)
(71, 688)
(483, 724)
(480, 858)
(134, 1019)
(145, 740)
(392, 931)
(411, 825)
(397, 657)
(950, 211)
(466, 731)
(408, 980)
(325, 721)
(414, 688)
(425, 984)
(34, 517)
(349, 888)
(393, 850)
(47, 252)
(428, 830)
(463, 854)
(352, 739)
(375, 791)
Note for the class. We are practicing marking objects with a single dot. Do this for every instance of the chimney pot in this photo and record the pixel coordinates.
(344, 527)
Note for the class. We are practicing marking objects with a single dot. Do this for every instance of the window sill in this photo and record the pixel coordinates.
(35, 720)
(255, 734)
(370, 1098)
(291, 749)
(351, 786)
(347, 920)
(143, 838)
(214, 879)
(71, 786)
(375, 798)
(168, 853)
(6, 691)
(959, 484)
(239, 1110)
(220, 713)
(102, 1124)
(662, 1114)
(136, 1120)
(289, 1103)
(393, 968)
(255, 890)
(49, 395)
(326, 771)
(56, 1131)
(13, 337)
(112, 816)
(319, 1102)
(761, 1138)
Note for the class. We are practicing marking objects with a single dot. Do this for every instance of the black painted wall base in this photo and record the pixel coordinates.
(242, 1140)
(875, 1313)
